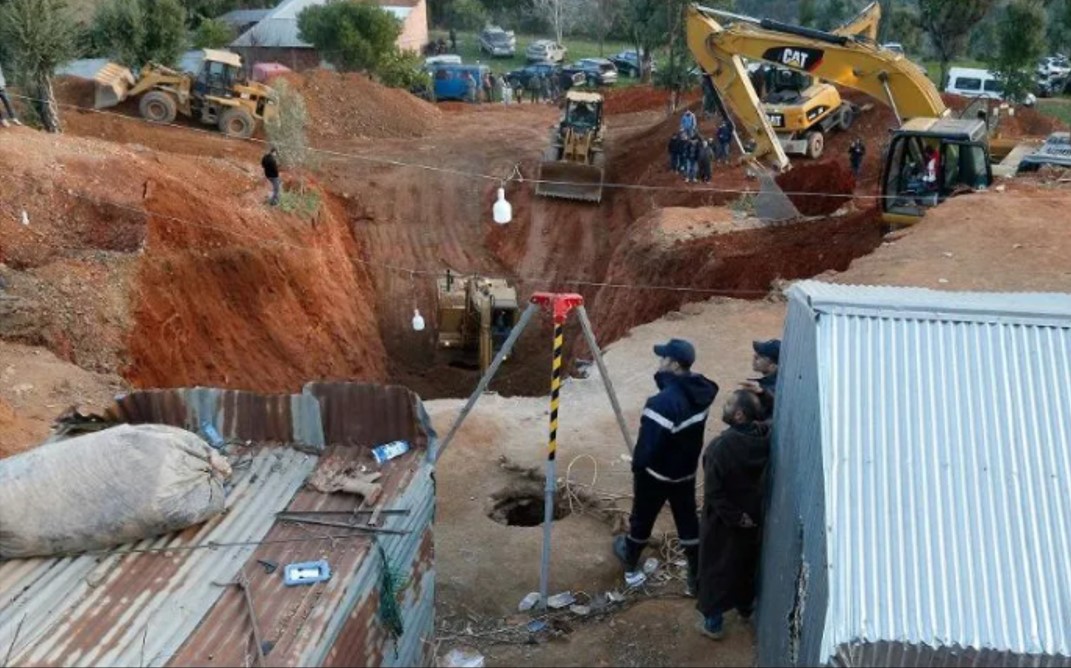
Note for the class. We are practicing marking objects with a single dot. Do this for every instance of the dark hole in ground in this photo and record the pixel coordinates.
(524, 509)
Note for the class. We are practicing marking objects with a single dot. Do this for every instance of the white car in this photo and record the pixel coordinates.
(545, 50)
(978, 83)
(495, 41)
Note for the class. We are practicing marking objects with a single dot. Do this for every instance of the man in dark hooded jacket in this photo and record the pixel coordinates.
(666, 457)
(767, 357)
(734, 469)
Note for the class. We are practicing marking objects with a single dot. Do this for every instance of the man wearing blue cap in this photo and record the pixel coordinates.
(767, 357)
(666, 457)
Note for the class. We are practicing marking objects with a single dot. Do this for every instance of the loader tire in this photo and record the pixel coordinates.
(847, 117)
(816, 143)
(237, 122)
(158, 107)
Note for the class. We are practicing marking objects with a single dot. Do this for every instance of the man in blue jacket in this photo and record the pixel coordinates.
(666, 457)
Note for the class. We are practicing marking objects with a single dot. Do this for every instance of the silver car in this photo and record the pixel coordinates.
(495, 41)
(545, 50)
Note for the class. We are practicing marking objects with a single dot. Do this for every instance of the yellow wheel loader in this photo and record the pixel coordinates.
(217, 95)
(475, 316)
(573, 166)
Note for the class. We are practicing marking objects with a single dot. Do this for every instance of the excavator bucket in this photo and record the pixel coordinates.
(570, 180)
(113, 82)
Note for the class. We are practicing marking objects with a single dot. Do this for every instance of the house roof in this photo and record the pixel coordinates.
(241, 17)
(279, 29)
(945, 476)
(156, 602)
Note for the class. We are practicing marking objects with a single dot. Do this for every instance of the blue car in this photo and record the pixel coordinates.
(450, 83)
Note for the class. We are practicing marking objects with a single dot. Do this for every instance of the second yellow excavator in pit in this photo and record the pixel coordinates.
(475, 317)
(930, 156)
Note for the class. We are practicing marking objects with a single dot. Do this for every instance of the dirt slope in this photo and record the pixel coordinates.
(171, 270)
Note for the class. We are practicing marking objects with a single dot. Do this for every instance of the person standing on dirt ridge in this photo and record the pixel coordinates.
(488, 88)
(725, 138)
(453, 40)
(666, 457)
(692, 149)
(470, 88)
(675, 152)
(706, 161)
(734, 471)
(533, 88)
(688, 124)
(766, 360)
(856, 152)
(12, 118)
(270, 163)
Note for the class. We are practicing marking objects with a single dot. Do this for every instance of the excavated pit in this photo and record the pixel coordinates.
(524, 508)
(215, 289)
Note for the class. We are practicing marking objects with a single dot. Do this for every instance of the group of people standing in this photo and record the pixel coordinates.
(496, 88)
(692, 155)
(722, 540)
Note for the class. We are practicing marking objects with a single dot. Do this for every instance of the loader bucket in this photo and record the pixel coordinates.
(113, 82)
(570, 180)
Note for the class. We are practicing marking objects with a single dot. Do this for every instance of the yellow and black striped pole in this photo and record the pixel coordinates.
(560, 305)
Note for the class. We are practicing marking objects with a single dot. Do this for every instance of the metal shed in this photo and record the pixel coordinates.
(920, 508)
(157, 603)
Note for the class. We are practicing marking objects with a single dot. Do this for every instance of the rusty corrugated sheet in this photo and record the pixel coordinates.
(160, 599)
(135, 609)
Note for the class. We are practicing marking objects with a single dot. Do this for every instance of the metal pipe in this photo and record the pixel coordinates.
(526, 317)
(884, 78)
(589, 335)
(551, 487)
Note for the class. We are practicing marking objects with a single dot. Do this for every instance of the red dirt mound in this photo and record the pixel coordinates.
(643, 98)
(818, 189)
(200, 283)
(343, 106)
(747, 260)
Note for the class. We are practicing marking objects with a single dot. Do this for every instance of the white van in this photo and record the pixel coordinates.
(972, 82)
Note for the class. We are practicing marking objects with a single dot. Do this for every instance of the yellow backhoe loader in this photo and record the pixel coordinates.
(475, 316)
(855, 62)
(217, 95)
(573, 166)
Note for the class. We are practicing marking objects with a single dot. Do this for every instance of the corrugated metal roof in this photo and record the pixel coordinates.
(162, 608)
(136, 609)
(279, 28)
(925, 440)
(241, 17)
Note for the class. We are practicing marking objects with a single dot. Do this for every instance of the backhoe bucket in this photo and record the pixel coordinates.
(570, 180)
(113, 82)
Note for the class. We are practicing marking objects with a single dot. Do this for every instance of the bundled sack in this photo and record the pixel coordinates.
(107, 488)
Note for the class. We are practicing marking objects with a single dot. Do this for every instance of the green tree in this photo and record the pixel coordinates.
(402, 69)
(39, 36)
(466, 15)
(901, 24)
(676, 72)
(948, 25)
(351, 36)
(137, 32)
(1022, 41)
(212, 34)
(834, 13)
(808, 13)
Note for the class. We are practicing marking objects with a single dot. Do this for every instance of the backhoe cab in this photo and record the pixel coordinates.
(475, 317)
(573, 164)
(218, 94)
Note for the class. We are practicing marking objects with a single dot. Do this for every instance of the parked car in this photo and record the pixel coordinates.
(596, 71)
(495, 41)
(448, 80)
(628, 63)
(895, 47)
(545, 50)
(973, 82)
(519, 78)
(448, 59)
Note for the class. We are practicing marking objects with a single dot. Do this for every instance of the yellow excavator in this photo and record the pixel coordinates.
(573, 165)
(803, 110)
(475, 317)
(907, 189)
(217, 95)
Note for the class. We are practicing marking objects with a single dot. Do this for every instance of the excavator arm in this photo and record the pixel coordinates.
(884, 75)
(864, 24)
(730, 78)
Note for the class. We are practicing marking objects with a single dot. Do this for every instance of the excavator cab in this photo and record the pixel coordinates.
(909, 187)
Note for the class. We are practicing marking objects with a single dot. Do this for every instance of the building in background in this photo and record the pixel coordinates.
(920, 510)
(275, 37)
(241, 20)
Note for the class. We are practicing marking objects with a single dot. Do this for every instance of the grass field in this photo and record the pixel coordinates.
(1057, 107)
(468, 47)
